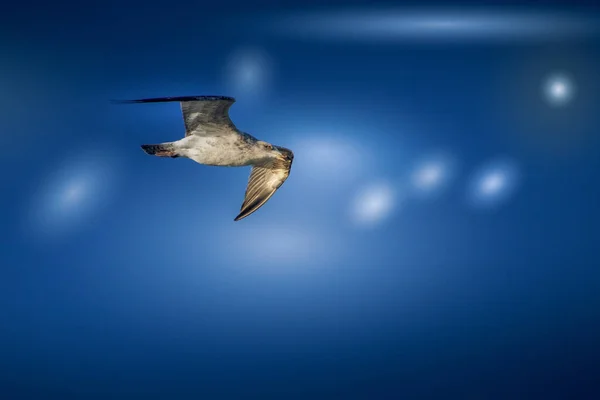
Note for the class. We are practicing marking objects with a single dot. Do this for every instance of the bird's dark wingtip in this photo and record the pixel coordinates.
(177, 98)
(241, 216)
(112, 101)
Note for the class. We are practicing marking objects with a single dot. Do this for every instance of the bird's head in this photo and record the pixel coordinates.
(285, 153)
(278, 152)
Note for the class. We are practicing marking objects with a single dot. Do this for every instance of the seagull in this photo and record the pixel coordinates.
(212, 139)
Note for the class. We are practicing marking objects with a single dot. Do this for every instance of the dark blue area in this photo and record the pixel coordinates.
(147, 298)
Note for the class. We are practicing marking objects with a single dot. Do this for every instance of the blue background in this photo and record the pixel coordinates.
(144, 287)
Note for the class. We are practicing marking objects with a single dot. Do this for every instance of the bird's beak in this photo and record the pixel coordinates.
(284, 154)
(280, 153)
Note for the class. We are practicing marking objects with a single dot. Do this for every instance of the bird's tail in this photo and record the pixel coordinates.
(160, 150)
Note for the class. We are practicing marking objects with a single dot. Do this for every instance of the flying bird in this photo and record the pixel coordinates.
(212, 139)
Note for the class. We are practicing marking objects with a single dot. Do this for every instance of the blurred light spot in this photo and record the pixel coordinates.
(433, 174)
(558, 89)
(327, 159)
(281, 243)
(493, 184)
(389, 24)
(429, 176)
(65, 199)
(249, 71)
(373, 204)
(282, 246)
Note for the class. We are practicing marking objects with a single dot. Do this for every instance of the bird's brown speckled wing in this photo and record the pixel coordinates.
(263, 183)
(208, 117)
(202, 115)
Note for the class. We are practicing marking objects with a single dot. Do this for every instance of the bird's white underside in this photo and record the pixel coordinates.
(220, 151)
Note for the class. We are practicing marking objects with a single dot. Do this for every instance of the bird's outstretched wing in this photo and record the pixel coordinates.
(202, 115)
(264, 181)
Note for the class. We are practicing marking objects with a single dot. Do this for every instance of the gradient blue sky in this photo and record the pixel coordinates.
(437, 238)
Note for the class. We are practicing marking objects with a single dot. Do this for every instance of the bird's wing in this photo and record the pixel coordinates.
(264, 181)
(202, 115)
